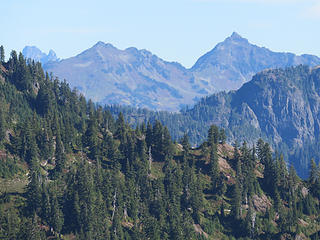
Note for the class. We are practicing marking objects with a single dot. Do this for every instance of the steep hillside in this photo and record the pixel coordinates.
(69, 170)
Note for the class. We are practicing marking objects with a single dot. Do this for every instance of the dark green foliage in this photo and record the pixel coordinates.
(236, 201)
(2, 124)
(2, 54)
(314, 179)
(44, 99)
(33, 193)
(93, 177)
(185, 143)
(8, 167)
(213, 135)
(214, 167)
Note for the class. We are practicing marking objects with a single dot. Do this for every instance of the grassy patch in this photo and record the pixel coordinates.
(156, 170)
(13, 185)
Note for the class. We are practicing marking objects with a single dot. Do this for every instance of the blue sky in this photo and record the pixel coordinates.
(175, 30)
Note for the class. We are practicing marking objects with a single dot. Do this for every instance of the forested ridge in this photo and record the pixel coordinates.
(281, 106)
(70, 170)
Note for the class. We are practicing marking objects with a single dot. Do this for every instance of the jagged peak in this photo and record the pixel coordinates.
(102, 44)
(52, 53)
(235, 35)
(99, 43)
(134, 50)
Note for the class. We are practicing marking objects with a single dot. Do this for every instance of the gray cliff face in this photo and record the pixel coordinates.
(139, 78)
(281, 105)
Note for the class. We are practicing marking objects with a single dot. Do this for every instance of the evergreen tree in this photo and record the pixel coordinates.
(236, 201)
(213, 135)
(31, 229)
(44, 100)
(60, 157)
(45, 203)
(314, 172)
(91, 137)
(34, 193)
(250, 221)
(56, 215)
(2, 124)
(214, 167)
(185, 143)
(2, 55)
(222, 136)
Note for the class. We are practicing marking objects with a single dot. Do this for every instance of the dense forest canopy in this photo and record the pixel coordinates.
(70, 170)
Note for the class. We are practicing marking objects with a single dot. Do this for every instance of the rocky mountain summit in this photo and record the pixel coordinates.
(234, 61)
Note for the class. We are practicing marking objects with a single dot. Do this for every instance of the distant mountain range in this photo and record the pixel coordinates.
(36, 54)
(141, 79)
(129, 77)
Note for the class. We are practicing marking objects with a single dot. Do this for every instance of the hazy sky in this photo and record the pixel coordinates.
(175, 30)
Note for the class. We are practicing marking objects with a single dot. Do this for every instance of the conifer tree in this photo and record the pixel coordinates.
(2, 124)
(59, 156)
(236, 201)
(2, 55)
(45, 203)
(56, 215)
(196, 199)
(250, 221)
(44, 100)
(121, 128)
(91, 137)
(185, 143)
(149, 135)
(213, 135)
(222, 136)
(34, 192)
(214, 167)
(314, 172)
(32, 230)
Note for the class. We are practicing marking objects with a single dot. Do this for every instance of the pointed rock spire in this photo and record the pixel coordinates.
(235, 35)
